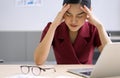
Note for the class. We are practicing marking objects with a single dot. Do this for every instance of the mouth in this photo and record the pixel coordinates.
(73, 25)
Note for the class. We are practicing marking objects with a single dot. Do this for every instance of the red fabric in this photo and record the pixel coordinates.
(81, 51)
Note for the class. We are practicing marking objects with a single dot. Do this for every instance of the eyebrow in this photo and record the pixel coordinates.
(68, 12)
(77, 14)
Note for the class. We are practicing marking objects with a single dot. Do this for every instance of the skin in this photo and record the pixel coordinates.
(74, 16)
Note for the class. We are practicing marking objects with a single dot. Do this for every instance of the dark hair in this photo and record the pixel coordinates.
(82, 2)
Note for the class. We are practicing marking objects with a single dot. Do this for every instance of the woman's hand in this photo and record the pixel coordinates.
(59, 17)
(90, 17)
(102, 32)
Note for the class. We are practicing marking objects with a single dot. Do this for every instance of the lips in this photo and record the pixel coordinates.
(73, 25)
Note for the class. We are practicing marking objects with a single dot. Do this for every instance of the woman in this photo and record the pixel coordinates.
(74, 34)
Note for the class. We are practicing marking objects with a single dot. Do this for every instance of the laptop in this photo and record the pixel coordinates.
(107, 65)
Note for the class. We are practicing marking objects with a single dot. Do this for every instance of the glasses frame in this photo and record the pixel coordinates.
(32, 67)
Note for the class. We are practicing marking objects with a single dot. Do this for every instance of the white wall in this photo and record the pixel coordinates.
(35, 18)
(27, 18)
(108, 11)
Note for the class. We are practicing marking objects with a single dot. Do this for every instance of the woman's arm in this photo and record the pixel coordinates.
(101, 30)
(42, 50)
(103, 36)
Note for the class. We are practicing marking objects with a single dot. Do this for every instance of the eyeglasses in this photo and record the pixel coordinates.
(36, 70)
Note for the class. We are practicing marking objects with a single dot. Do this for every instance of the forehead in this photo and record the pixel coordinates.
(75, 8)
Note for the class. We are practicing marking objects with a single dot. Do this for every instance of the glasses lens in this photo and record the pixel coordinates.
(36, 70)
(25, 69)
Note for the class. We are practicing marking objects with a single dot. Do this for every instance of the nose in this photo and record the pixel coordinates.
(73, 20)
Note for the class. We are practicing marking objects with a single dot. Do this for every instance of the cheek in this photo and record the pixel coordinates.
(67, 22)
(82, 19)
(66, 19)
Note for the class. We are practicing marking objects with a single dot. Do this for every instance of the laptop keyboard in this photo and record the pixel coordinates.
(86, 71)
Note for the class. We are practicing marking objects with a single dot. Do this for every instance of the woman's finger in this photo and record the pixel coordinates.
(86, 9)
(66, 7)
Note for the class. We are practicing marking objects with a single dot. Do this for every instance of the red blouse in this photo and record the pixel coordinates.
(81, 51)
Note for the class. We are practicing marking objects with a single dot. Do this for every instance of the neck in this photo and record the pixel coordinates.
(73, 35)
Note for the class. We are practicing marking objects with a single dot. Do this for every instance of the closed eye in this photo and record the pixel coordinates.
(68, 14)
(79, 16)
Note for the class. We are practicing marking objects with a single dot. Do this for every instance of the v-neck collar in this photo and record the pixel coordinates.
(80, 41)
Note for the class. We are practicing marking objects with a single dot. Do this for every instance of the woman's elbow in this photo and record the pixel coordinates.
(38, 62)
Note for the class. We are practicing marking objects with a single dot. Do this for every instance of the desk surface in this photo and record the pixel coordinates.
(61, 71)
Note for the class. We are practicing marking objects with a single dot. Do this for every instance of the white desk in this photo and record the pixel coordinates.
(61, 71)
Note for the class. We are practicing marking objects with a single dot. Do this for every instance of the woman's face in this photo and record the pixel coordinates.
(75, 17)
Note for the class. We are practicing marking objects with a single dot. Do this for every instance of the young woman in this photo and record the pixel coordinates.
(74, 34)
